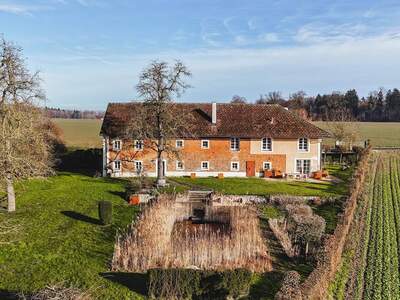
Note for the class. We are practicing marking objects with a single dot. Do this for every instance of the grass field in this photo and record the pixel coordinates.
(370, 265)
(81, 133)
(60, 239)
(85, 133)
(380, 134)
(258, 186)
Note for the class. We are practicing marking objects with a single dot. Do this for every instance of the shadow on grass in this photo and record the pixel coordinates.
(267, 286)
(7, 295)
(136, 282)
(80, 217)
(118, 194)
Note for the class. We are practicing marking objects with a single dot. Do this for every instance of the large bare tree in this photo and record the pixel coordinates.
(160, 119)
(24, 149)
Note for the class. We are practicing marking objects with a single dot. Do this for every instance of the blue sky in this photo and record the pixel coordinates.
(91, 52)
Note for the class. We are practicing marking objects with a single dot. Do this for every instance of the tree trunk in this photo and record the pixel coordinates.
(160, 166)
(10, 195)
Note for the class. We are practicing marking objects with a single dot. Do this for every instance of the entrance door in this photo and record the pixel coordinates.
(250, 168)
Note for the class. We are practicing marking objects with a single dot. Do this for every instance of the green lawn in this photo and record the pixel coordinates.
(258, 186)
(60, 239)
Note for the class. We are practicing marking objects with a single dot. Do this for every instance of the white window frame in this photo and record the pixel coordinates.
(232, 142)
(114, 143)
(135, 145)
(302, 160)
(180, 147)
(208, 144)
(208, 165)
(238, 166)
(115, 162)
(266, 143)
(177, 165)
(300, 145)
(141, 164)
(270, 165)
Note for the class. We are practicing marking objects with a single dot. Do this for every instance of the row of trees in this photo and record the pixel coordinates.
(380, 105)
(73, 114)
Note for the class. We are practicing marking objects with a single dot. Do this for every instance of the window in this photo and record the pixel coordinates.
(267, 165)
(179, 144)
(235, 166)
(266, 144)
(235, 144)
(205, 144)
(117, 165)
(205, 165)
(117, 145)
(138, 166)
(303, 144)
(138, 144)
(179, 165)
(303, 166)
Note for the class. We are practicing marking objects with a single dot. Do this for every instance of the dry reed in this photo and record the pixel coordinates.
(160, 238)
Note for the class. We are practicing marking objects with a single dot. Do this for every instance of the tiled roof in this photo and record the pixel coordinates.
(238, 120)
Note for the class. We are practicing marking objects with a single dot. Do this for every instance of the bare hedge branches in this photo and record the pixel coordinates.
(24, 148)
(58, 292)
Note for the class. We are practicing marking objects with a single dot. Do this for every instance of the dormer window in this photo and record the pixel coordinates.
(138, 144)
(117, 145)
(266, 144)
(235, 144)
(303, 144)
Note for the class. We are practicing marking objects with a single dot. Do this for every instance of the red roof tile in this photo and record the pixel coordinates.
(238, 120)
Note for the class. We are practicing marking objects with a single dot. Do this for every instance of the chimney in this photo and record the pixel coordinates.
(214, 113)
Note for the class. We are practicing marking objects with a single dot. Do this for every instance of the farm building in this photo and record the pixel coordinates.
(231, 140)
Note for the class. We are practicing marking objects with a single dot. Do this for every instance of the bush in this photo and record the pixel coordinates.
(173, 283)
(197, 284)
(105, 212)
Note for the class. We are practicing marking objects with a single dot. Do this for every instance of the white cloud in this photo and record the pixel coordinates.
(364, 64)
(270, 37)
(20, 9)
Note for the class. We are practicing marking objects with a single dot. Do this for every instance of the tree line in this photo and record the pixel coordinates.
(73, 113)
(379, 106)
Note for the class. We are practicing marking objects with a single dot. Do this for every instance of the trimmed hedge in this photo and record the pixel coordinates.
(197, 284)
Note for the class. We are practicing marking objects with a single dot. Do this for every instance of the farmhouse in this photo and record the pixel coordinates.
(236, 140)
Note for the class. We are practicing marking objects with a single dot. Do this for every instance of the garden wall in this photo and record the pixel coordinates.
(316, 285)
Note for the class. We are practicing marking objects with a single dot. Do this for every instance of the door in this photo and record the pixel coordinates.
(250, 168)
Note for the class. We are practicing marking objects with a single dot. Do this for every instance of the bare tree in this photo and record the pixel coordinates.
(24, 151)
(274, 97)
(344, 129)
(236, 99)
(160, 119)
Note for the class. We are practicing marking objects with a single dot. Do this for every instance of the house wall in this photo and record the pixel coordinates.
(290, 148)
(219, 155)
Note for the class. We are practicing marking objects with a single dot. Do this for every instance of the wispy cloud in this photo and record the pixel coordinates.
(21, 9)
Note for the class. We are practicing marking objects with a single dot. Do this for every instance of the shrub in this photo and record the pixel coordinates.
(197, 284)
(290, 289)
(173, 283)
(105, 212)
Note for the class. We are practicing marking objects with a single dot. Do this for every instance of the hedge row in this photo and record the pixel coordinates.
(197, 284)
(317, 283)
